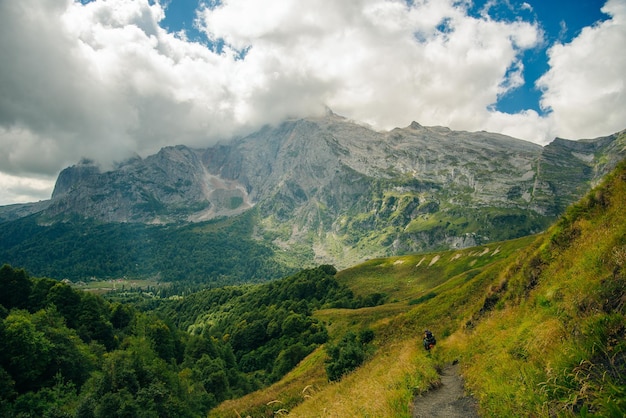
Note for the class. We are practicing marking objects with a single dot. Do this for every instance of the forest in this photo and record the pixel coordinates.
(209, 252)
(70, 353)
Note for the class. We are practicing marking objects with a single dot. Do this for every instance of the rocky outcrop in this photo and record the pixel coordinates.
(172, 186)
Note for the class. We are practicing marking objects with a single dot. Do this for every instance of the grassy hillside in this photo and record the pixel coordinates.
(538, 325)
(436, 290)
(554, 344)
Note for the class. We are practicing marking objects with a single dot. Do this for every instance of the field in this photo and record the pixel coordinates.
(120, 285)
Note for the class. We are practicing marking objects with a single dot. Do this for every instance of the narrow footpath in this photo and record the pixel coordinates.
(448, 400)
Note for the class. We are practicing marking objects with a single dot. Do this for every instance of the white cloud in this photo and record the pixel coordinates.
(101, 80)
(585, 87)
(19, 189)
(104, 80)
(383, 63)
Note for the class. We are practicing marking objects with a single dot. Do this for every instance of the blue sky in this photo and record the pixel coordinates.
(107, 79)
(561, 21)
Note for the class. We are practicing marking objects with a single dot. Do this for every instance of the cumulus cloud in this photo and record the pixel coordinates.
(585, 88)
(103, 80)
(381, 62)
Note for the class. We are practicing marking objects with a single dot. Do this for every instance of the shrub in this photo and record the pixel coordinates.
(348, 354)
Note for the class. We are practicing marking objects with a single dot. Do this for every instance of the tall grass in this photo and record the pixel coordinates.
(304, 381)
(383, 387)
(556, 346)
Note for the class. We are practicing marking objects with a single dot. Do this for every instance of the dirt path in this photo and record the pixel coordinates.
(448, 400)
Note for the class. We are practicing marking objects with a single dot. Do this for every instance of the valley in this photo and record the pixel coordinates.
(328, 209)
(323, 342)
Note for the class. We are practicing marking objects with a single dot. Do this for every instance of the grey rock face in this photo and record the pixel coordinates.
(173, 185)
(345, 190)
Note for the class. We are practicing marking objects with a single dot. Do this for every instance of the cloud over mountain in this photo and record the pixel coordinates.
(105, 79)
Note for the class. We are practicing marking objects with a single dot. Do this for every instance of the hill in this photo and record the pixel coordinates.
(66, 352)
(309, 191)
(218, 252)
(538, 331)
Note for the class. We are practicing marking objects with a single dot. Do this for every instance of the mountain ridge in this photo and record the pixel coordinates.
(342, 189)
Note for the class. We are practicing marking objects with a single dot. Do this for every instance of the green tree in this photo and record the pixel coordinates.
(93, 320)
(136, 382)
(163, 340)
(26, 351)
(198, 345)
(248, 336)
(288, 358)
(121, 315)
(67, 302)
(116, 404)
(39, 293)
(7, 391)
(70, 358)
(345, 356)
(15, 287)
(55, 401)
(213, 375)
(295, 324)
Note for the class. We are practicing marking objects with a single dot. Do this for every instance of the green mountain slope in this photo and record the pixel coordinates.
(539, 329)
(554, 342)
(69, 353)
(218, 252)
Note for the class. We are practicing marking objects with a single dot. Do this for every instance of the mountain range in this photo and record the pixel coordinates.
(335, 191)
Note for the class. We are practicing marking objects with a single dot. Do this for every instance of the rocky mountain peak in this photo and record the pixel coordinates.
(72, 176)
(327, 180)
(415, 125)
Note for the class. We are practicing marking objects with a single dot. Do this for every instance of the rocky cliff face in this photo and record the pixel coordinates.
(170, 186)
(346, 191)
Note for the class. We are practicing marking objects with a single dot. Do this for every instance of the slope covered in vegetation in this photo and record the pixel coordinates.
(538, 326)
(208, 253)
(554, 342)
(66, 353)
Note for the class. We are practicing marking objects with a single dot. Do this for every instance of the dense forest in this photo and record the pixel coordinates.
(207, 252)
(70, 353)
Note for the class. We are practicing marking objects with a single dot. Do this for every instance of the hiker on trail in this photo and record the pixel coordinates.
(429, 340)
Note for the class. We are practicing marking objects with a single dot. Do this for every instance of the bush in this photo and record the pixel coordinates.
(347, 354)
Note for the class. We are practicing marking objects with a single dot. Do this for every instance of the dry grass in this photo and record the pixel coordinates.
(301, 383)
(383, 387)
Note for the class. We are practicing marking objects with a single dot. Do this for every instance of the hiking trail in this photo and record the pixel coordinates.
(448, 400)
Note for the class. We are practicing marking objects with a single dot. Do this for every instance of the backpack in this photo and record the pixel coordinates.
(429, 340)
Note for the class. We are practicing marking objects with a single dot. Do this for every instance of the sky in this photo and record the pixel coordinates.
(108, 79)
